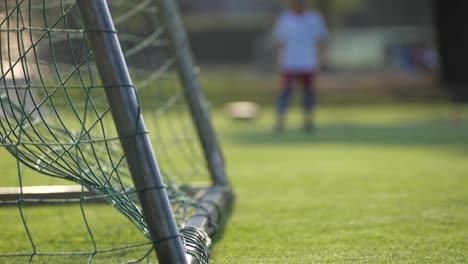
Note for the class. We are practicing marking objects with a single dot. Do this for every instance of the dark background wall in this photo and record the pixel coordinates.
(224, 46)
(451, 23)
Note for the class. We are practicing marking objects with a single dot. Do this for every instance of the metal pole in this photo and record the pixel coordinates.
(125, 110)
(196, 100)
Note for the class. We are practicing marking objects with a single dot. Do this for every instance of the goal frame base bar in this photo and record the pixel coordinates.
(47, 194)
(215, 203)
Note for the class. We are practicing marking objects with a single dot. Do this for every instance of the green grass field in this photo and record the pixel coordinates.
(377, 184)
(373, 184)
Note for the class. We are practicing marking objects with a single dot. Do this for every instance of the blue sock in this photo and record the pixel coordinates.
(283, 100)
(309, 99)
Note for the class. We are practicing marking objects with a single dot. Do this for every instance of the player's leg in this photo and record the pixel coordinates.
(309, 100)
(283, 100)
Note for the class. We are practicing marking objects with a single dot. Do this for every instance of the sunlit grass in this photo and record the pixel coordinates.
(373, 184)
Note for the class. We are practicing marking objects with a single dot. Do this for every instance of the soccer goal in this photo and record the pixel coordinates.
(101, 106)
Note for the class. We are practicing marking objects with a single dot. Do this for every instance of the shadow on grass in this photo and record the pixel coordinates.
(224, 221)
(419, 133)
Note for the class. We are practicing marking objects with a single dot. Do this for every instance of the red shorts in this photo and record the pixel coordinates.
(305, 78)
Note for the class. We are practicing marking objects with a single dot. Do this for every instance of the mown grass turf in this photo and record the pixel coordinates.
(377, 184)
(373, 184)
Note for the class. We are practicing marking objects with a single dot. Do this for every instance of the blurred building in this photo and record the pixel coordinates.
(365, 34)
(225, 31)
(228, 6)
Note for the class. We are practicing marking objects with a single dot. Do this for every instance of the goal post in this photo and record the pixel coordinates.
(112, 68)
(69, 109)
(197, 102)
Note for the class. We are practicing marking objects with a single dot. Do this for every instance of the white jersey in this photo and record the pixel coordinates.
(298, 35)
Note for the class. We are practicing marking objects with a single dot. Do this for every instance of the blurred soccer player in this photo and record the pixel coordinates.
(298, 34)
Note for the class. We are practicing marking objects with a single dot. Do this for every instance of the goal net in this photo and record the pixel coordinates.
(69, 114)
